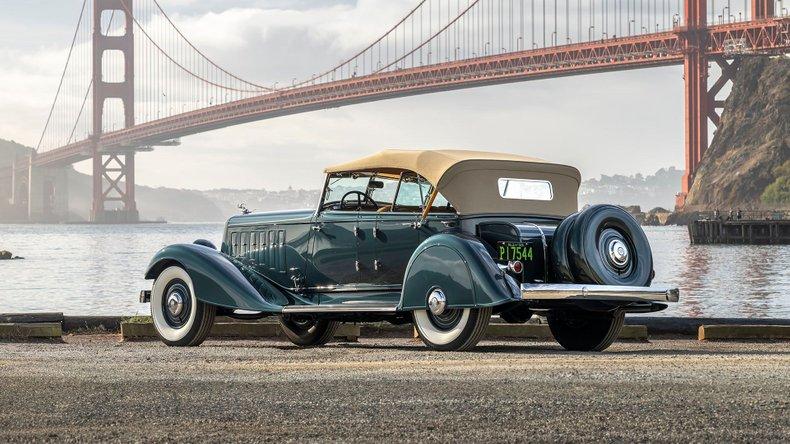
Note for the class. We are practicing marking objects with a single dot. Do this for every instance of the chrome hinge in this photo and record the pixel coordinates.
(377, 265)
(297, 277)
(356, 265)
(317, 227)
(356, 231)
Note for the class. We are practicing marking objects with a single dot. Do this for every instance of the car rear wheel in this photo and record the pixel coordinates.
(180, 319)
(455, 329)
(579, 330)
(308, 332)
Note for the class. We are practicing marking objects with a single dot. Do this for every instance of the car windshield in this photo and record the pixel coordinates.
(378, 187)
(408, 192)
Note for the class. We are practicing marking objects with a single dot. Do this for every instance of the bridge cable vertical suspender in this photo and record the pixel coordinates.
(63, 75)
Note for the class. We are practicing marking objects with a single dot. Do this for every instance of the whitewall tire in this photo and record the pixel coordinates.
(454, 329)
(180, 319)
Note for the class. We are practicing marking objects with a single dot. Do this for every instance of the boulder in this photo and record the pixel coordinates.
(5, 255)
(657, 216)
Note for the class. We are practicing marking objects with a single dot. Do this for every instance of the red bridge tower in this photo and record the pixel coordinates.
(701, 103)
(110, 168)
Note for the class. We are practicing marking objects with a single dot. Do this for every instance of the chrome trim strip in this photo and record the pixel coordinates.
(340, 308)
(545, 250)
(600, 292)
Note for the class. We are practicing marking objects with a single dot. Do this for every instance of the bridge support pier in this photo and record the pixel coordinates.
(47, 194)
(20, 190)
(113, 182)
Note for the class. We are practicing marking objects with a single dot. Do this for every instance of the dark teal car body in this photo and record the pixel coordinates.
(441, 238)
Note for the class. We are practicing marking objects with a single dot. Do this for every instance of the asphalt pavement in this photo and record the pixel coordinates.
(96, 388)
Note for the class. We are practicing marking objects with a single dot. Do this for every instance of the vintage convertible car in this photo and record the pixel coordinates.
(440, 238)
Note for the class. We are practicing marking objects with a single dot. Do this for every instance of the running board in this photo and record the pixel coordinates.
(598, 292)
(341, 308)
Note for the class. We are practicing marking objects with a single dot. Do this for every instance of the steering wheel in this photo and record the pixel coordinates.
(361, 197)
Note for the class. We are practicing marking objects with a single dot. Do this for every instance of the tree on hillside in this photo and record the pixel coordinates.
(778, 193)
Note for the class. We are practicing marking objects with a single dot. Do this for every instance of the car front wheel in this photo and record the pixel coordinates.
(456, 329)
(578, 330)
(180, 319)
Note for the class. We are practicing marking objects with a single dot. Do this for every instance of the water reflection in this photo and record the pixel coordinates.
(722, 280)
(83, 269)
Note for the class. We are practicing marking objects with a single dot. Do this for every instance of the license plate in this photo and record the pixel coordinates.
(515, 251)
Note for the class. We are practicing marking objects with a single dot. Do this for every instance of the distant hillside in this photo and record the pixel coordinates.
(173, 205)
(170, 204)
(178, 205)
(9, 150)
(655, 190)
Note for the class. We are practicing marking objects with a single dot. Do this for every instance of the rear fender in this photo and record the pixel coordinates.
(219, 279)
(460, 265)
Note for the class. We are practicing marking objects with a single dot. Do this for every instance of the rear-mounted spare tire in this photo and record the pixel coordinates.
(602, 244)
(608, 247)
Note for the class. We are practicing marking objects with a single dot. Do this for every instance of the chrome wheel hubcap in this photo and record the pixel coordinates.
(437, 302)
(175, 303)
(618, 252)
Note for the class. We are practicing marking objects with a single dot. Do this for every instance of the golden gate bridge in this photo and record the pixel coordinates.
(132, 80)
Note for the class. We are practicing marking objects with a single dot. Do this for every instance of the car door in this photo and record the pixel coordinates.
(334, 251)
(396, 240)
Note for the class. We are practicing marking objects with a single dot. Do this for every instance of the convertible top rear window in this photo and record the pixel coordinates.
(525, 189)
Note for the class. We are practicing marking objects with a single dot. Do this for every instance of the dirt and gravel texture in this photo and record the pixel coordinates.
(95, 388)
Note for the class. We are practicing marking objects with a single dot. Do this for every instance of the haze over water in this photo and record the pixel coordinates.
(98, 270)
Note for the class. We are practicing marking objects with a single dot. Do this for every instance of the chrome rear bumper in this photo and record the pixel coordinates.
(598, 292)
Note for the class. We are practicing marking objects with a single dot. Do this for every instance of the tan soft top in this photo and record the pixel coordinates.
(461, 176)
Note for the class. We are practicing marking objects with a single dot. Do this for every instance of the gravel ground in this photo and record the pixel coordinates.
(93, 387)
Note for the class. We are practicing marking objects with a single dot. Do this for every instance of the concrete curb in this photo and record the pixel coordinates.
(724, 332)
(658, 325)
(41, 330)
(637, 327)
(87, 323)
(26, 318)
(138, 330)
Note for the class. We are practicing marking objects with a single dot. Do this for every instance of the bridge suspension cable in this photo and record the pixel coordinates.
(172, 76)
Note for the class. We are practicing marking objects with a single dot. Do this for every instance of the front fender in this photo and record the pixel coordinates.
(460, 265)
(219, 279)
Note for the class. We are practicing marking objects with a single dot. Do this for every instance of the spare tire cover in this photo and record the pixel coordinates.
(607, 246)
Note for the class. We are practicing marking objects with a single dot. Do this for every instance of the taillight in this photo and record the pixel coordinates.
(516, 267)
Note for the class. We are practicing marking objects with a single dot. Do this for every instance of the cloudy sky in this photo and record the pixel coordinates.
(624, 122)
